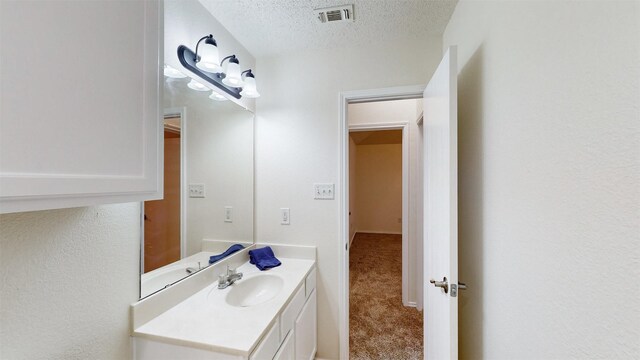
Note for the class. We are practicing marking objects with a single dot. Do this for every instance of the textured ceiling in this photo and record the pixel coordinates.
(269, 27)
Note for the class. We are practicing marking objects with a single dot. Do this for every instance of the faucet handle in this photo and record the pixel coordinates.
(230, 271)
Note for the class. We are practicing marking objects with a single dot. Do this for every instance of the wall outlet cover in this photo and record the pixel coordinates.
(228, 214)
(285, 218)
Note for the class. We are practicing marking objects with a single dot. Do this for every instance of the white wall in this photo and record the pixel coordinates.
(379, 188)
(68, 278)
(220, 155)
(549, 127)
(298, 143)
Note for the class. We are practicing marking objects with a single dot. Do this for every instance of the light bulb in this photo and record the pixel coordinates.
(233, 77)
(216, 96)
(197, 86)
(173, 73)
(209, 60)
(249, 90)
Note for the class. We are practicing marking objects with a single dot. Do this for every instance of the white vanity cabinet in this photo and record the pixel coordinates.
(205, 326)
(81, 112)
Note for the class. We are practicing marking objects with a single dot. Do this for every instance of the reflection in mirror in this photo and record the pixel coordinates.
(208, 187)
(162, 217)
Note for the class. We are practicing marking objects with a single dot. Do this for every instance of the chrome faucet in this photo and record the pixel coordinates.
(229, 278)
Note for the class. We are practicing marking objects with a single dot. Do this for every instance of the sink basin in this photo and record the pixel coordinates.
(254, 290)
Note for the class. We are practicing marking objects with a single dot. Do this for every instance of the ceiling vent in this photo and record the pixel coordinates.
(342, 13)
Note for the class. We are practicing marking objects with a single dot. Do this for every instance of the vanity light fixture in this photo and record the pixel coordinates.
(227, 77)
(249, 89)
(193, 84)
(173, 73)
(206, 57)
(217, 96)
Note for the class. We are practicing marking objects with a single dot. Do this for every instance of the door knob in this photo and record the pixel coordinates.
(462, 286)
(441, 284)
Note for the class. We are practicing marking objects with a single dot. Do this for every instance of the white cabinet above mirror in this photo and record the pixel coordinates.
(80, 127)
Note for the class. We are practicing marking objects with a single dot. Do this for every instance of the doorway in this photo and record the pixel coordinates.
(385, 322)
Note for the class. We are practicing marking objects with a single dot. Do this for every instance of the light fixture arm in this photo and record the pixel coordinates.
(248, 72)
(231, 58)
(208, 40)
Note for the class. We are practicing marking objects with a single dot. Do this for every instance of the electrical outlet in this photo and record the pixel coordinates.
(196, 190)
(285, 219)
(228, 214)
(323, 191)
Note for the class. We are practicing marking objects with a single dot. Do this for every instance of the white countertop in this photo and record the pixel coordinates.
(206, 321)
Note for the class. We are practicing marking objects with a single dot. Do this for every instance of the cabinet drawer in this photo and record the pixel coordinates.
(310, 283)
(290, 313)
(269, 344)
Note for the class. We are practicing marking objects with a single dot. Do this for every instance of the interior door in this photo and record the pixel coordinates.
(440, 127)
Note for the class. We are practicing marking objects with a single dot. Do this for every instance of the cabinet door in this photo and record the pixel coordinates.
(268, 345)
(80, 103)
(306, 330)
(287, 349)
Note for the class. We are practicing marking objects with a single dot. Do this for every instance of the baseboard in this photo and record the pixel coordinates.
(379, 232)
(353, 237)
(411, 304)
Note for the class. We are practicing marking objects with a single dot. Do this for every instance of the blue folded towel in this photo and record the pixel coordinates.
(230, 250)
(263, 258)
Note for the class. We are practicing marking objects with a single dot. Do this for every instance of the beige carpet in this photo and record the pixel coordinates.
(379, 326)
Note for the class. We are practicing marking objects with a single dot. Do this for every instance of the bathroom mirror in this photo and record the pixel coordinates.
(208, 187)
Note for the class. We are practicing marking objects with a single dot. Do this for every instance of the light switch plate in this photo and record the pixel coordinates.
(285, 218)
(196, 190)
(323, 191)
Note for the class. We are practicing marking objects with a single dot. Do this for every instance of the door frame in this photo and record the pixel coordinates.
(346, 98)
(404, 127)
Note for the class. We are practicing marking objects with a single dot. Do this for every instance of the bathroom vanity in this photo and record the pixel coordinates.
(265, 315)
